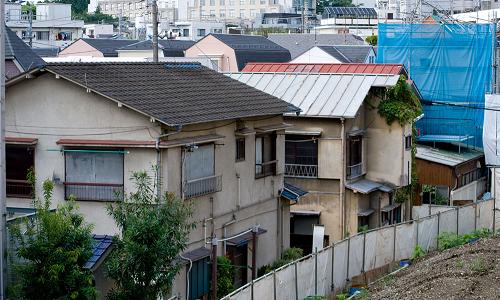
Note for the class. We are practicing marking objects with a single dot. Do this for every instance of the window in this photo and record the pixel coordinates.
(242, 2)
(212, 2)
(265, 155)
(371, 59)
(355, 157)
(202, 3)
(212, 13)
(63, 36)
(471, 176)
(19, 159)
(217, 30)
(201, 32)
(390, 16)
(94, 175)
(231, 13)
(185, 32)
(231, 2)
(200, 178)
(242, 13)
(408, 142)
(252, 2)
(199, 279)
(222, 13)
(222, 2)
(301, 156)
(42, 35)
(240, 149)
(253, 13)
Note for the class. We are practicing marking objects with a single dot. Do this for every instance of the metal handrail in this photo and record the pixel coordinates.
(203, 186)
(355, 170)
(300, 170)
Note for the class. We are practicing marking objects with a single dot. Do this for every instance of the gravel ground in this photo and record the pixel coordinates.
(466, 272)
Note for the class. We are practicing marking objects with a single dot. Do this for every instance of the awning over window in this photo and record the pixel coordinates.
(197, 254)
(365, 212)
(101, 245)
(141, 144)
(356, 132)
(273, 127)
(21, 141)
(304, 132)
(292, 192)
(305, 213)
(239, 240)
(390, 207)
(366, 186)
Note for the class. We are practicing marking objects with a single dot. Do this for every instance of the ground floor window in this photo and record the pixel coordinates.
(19, 160)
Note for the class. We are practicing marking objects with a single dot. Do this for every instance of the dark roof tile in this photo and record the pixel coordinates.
(108, 47)
(16, 49)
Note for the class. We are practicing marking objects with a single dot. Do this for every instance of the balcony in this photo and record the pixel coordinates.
(301, 171)
(19, 189)
(203, 186)
(267, 168)
(93, 191)
(354, 171)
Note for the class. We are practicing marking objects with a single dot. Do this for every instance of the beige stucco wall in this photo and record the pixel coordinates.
(80, 48)
(210, 47)
(139, 53)
(32, 106)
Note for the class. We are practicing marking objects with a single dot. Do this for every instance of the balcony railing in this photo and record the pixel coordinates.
(93, 191)
(203, 186)
(354, 171)
(298, 170)
(18, 188)
(267, 168)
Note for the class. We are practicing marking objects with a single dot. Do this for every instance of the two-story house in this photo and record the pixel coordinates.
(218, 144)
(340, 149)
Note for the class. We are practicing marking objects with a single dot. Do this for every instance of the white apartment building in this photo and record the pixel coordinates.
(131, 9)
(52, 25)
(418, 9)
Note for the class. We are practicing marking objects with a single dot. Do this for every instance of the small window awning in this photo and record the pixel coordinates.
(365, 212)
(242, 239)
(273, 127)
(21, 141)
(390, 207)
(304, 132)
(292, 192)
(366, 186)
(244, 131)
(305, 213)
(140, 144)
(357, 132)
(101, 245)
(196, 254)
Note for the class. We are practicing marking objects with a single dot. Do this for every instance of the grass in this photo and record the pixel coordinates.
(460, 264)
(478, 266)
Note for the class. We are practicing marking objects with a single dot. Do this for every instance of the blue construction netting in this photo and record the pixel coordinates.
(452, 66)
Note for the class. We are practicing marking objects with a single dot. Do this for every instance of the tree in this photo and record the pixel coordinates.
(154, 231)
(321, 4)
(372, 40)
(225, 276)
(53, 252)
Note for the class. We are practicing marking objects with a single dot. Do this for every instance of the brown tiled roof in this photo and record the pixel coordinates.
(173, 93)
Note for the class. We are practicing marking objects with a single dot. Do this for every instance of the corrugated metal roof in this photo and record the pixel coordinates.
(378, 69)
(366, 186)
(318, 95)
(444, 157)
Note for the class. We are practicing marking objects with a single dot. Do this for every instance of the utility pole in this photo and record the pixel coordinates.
(120, 24)
(214, 267)
(155, 30)
(3, 212)
(30, 25)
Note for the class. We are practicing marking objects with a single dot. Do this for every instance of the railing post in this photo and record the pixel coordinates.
(348, 256)
(418, 221)
(475, 215)
(437, 237)
(251, 289)
(364, 252)
(394, 244)
(333, 266)
(458, 213)
(274, 284)
(296, 282)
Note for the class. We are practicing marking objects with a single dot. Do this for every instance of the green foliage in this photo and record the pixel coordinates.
(400, 104)
(448, 240)
(288, 256)
(154, 231)
(96, 17)
(479, 266)
(436, 197)
(363, 228)
(315, 298)
(418, 252)
(372, 40)
(342, 297)
(225, 276)
(53, 249)
(25, 8)
(266, 31)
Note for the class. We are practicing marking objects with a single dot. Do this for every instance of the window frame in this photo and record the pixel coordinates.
(28, 148)
(272, 138)
(408, 142)
(240, 149)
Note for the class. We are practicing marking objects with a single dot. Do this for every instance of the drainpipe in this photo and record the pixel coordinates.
(224, 226)
(342, 180)
(403, 149)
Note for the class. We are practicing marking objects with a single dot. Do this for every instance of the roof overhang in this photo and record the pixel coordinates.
(365, 186)
(20, 141)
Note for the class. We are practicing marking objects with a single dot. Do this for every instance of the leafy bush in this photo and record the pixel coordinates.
(314, 298)
(400, 104)
(418, 252)
(448, 240)
(372, 40)
(225, 276)
(54, 247)
(288, 256)
(362, 228)
(341, 297)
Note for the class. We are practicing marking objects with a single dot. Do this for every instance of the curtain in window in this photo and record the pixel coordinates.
(94, 167)
(200, 162)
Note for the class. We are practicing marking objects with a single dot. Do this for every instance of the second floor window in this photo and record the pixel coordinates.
(355, 157)
(200, 178)
(95, 175)
(301, 156)
(19, 160)
(265, 155)
(240, 149)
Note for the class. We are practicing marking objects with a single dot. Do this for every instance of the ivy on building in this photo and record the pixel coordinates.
(400, 104)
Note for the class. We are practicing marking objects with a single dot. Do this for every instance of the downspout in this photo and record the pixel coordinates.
(158, 158)
(401, 179)
(342, 180)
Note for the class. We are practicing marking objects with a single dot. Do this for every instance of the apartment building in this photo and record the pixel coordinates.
(340, 149)
(220, 148)
(52, 25)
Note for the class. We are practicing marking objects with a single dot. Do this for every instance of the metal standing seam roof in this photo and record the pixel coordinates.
(325, 68)
(447, 158)
(318, 95)
(366, 186)
(292, 193)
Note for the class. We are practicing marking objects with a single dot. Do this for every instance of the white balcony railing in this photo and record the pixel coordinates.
(203, 186)
(354, 171)
(298, 170)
